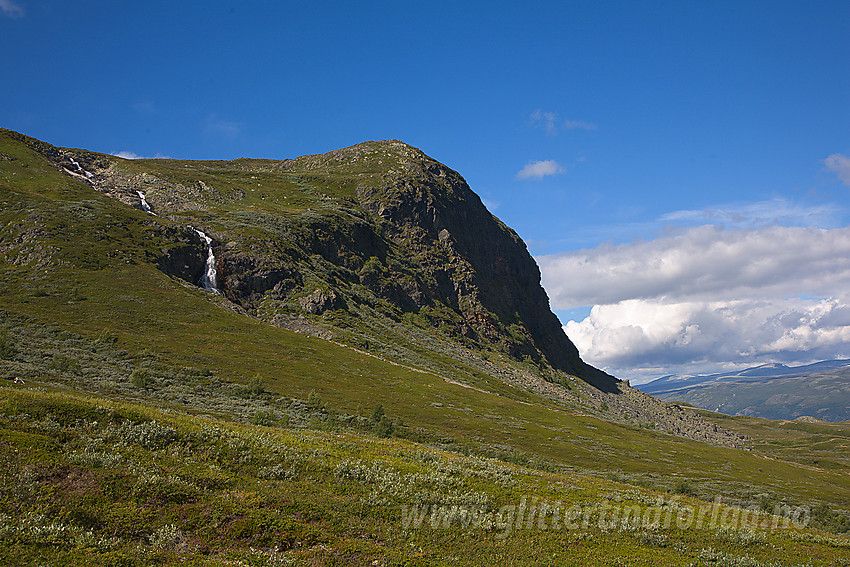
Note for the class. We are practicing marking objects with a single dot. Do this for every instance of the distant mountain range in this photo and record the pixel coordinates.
(775, 391)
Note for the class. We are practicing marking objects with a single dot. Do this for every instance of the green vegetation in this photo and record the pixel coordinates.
(256, 386)
(140, 378)
(112, 483)
(7, 349)
(159, 424)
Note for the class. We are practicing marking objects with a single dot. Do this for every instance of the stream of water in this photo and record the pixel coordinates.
(145, 206)
(209, 280)
(88, 174)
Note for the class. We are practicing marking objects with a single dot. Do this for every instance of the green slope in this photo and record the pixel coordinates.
(105, 483)
(85, 308)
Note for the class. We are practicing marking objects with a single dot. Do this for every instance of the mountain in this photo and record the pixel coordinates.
(372, 232)
(775, 391)
(274, 361)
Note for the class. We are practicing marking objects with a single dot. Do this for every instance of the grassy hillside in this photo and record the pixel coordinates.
(105, 483)
(89, 320)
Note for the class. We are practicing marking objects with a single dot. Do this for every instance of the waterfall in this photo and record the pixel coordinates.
(145, 206)
(88, 174)
(209, 280)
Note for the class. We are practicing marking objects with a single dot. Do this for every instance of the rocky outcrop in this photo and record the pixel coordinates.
(476, 264)
(318, 302)
(376, 246)
(185, 260)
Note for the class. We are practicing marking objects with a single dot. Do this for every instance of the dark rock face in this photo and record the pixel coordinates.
(247, 280)
(476, 263)
(185, 260)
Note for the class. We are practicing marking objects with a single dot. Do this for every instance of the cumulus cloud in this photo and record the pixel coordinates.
(540, 169)
(840, 165)
(703, 264)
(646, 337)
(11, 9)
(707, 298)
(133, 155)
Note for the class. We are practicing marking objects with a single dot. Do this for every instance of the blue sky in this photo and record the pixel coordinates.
(624, 141)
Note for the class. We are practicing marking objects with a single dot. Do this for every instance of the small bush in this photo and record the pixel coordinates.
(105, 338)
(830, 520)
(384, 427)
(264, 417)
(277, 472)
(685, 487)
(149, 435)
(378, 414)
(140, 378)
(64, 363)
(167, 538)
(314, 401)
(256, 386)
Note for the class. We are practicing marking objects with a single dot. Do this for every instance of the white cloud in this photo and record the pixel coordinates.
(840, 165)
(127, 155)
(647, 337)
(133, 155)
(579, 125)
(11, 9)
(707, 298)
(491, 205)
(703, 264)
(540, 169)
(547, 120)
(776, 211)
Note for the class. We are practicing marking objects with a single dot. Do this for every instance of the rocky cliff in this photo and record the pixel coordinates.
(410, 232)
(467, 258)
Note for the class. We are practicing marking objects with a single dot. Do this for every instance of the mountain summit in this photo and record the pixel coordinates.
(440, 248)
